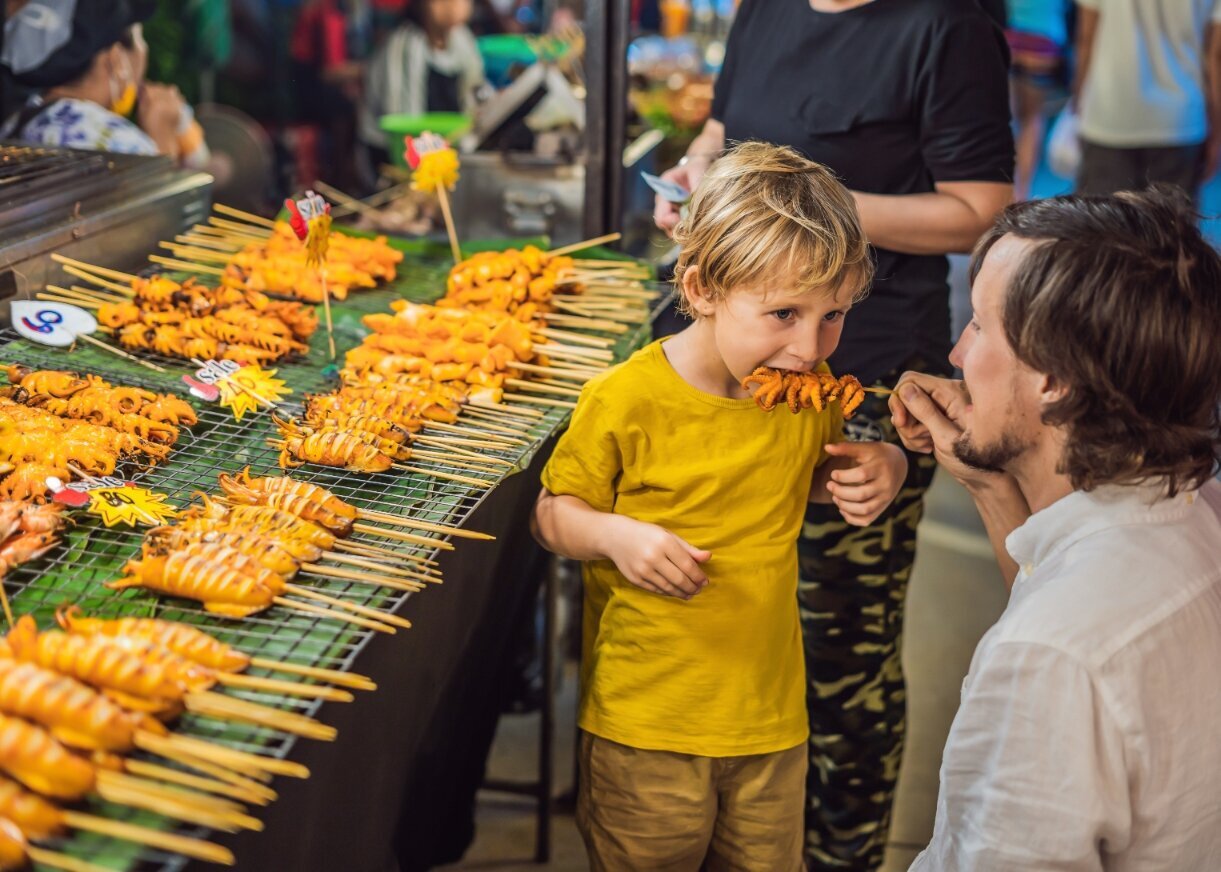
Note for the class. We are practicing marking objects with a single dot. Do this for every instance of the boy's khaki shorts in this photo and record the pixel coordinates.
(666, 812)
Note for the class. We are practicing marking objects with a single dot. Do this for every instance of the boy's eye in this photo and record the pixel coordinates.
(785, 314)
(833, 316)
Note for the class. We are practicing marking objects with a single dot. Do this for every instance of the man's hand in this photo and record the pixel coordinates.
(665, 213)
(867, 480)
(943, 401)
(158, 114)
(654, 559)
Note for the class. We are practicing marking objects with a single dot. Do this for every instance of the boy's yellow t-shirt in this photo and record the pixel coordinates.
(721, 674)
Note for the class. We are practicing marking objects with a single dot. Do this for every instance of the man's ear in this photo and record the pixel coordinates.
(696, 293)
(1051, 390)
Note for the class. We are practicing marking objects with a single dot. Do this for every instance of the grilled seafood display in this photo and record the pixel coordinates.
(519, 283)
(278, 265)
(804, 390)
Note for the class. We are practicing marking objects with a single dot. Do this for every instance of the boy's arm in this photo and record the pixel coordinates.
(649, 556)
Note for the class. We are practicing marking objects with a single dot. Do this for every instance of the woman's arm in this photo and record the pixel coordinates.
(949, 219)
(1087, 26)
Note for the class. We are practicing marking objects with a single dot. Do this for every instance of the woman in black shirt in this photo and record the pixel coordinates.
(907, 101)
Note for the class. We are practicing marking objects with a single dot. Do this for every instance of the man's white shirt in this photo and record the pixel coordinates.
(1089, 731)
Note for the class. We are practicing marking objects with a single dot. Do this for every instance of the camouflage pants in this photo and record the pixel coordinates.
(851, 591)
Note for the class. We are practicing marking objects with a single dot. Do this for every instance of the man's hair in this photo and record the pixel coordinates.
(763, 210)
(1120, 302)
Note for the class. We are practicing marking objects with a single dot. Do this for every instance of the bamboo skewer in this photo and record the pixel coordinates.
(350, 560)
(197, 782)
(210, 242)
(507, 411)
(458, 444)
(387, 518)
(185, 797)
(285, 688)
(241, 237)
(551, 371)
(56, 860)
(87, 294)
(97, 270)
(447, 460)
(251, 784)
(379, 626)
(489, 433)
(231, 758)
(216, 705)
(474, 413)
(583, 321)
(334, 676)
(541, 387)
(120, 352)
(186, 265)
(445, 476)
(399, 536)
(245, 216)
(403, 584)
(367, 551)
(541, 401)
(240, 227)
(467, 455)
(137, 793)
(188, 847)
(199, 254)
(563, 354)
(354, 608)
(575, 338)
(583, 244)
(592, 355)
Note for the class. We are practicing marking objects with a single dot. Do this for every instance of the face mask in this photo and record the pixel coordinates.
(125, 101)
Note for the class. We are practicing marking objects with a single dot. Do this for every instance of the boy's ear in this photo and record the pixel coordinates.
(696, 293)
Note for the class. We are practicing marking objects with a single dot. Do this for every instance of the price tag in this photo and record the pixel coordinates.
(47, 323)
(239, 388)
(115, 501)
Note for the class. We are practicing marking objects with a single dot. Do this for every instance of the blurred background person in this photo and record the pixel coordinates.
(1037, 34)
(1147, 90)
(88, 68)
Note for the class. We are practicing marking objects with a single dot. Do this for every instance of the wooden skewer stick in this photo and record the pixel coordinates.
(411, 559)
(201, 254)
(87, 294)
(172, 802)
(197, 782)
(443, 200)
(216, 705)
(445, 476)
(551, 371)
(465, 454)
(564, 355)
(379, 626)
(541, 401)
(411, 582)
(285, 688)
(448, 460)
(124, 290)
(399, 536)
(354, 608)
(600, 315)
(575, 338)
(96, 270)
(503, 410)
(251, 785)
(241, 237)
(882, 392)
(334, 676)
(583, 244)
(120, 352)
(186, 265)
(345, 201)
(71, 301)
(245, 216)
(583, 322)
(387, 518)
(240, 227)
(367, 551)
(212, 242)
(231, 758)
(459, 443)
(56, 860)
(590, 354)
(403, 584)
(492, 434)
(502, 423)
(541, 387)
(188, 847)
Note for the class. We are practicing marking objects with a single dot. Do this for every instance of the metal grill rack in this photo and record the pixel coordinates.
(92, 554)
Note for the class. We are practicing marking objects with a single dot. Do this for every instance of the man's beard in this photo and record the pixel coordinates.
(989, 458)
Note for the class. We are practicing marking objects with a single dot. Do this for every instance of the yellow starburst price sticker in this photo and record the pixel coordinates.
(131, 505)
(251, 387)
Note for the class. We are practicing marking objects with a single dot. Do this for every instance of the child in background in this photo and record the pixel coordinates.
(685, 501)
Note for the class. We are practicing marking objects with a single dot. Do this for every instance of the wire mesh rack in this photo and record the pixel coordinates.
(92, 554)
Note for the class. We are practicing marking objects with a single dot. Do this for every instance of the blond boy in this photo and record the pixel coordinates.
(685, 501)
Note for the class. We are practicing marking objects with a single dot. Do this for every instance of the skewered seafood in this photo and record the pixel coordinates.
(32, 756)
(221, 589)
(329, 448)
(186, 641)
(520, 283)
(804, 390)
(299, 498)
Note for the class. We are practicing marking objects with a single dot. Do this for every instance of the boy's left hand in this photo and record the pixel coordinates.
(864, 489)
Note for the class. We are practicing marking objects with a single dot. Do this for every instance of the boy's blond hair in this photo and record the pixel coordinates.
(764, 209)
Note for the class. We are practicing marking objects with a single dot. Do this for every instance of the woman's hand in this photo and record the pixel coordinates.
(865, 479)
(654, 559)
(159, 112)
(666, 213)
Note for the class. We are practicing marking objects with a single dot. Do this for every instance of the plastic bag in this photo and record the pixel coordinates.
(1064, 145)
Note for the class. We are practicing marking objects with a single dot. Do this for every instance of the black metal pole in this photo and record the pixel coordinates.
(606, 38)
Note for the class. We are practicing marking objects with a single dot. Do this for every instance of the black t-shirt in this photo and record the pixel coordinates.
(443, 93)
(892, 96)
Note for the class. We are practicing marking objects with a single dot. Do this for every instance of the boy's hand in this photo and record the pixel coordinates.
(653, 558)
(864, 489)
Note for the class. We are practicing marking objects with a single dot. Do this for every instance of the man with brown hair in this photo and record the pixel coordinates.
(1086, 429)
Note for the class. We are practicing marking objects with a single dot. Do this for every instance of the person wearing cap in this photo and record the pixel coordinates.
(87, 59)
